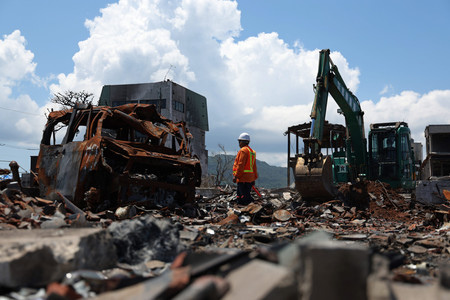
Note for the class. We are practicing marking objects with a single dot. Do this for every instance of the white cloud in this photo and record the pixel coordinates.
(387, 88)
(276, 119)
(137, 41)
(275, 159)
(19, 114)
(260, 84)
(413, 108)
(15, 61)
(21, 118)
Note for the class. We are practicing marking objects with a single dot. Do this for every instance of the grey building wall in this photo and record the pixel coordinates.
(437, 139)
(173, 101)
(418, 152)
(437, 161)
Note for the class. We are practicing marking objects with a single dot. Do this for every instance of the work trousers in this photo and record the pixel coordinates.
(243, 193)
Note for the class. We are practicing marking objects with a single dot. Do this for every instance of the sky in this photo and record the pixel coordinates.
(254, 61)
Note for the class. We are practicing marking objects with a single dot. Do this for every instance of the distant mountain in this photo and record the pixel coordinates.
(269, 176)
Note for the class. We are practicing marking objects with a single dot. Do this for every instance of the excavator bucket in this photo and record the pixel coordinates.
(315, 181)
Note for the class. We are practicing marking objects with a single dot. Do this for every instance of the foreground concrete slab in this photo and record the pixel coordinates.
(405, 291)
(35, 258)
(147, 290)
(328, 269)
(259, 279)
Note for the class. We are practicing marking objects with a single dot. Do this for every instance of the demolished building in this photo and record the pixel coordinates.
(172, 101)
(435, 169)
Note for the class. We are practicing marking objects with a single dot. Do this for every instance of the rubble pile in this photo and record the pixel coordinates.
(279, 246)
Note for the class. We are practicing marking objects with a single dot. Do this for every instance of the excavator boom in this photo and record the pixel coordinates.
(313, 171)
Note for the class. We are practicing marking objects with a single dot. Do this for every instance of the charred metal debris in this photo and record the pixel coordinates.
(391, 244)
(112, 156)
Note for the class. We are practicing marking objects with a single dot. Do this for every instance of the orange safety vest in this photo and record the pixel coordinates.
(244, 167)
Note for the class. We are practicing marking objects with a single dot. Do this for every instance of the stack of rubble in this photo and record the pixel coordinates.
(371, 243)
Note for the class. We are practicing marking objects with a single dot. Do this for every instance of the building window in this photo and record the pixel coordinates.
(178, 106)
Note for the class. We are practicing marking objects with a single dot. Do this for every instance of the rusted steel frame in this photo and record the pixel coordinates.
(186, 137)
(288, 159)
(137, 124)
(97, 115)
(159, 133)
(89, 161)
(160, 162)
(14, 166)
(88, 125)
(174, 130)
(41, 170)
(140, 116)
(103, 114)
(72, 207)
(142, 111)
(115, 150)
(70, 129)
(52, 121)
(58, 115)
(129, 149)
(124, 180)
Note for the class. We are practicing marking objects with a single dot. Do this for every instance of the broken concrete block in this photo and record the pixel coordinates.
(287, 196)
(430, 191)
(145, 238)
(444, 276)
(378, 286)
(38, 257)
(259, 279)
(327, 269)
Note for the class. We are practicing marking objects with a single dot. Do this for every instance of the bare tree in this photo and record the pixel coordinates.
(223, 165)
(69, 98)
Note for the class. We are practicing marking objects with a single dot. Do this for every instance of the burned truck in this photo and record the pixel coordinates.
(101, 156)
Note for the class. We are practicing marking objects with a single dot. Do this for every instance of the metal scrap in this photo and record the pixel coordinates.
(128, 154)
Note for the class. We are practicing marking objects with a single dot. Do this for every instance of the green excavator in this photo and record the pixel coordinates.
(389, 157)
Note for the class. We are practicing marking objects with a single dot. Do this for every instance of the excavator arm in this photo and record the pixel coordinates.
(313, 171)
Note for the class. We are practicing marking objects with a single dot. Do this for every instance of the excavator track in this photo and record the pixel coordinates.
(315, 181)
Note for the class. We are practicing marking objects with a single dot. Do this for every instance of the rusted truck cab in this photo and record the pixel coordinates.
(111, 156)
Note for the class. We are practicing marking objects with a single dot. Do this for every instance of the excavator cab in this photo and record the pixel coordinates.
(391, 158)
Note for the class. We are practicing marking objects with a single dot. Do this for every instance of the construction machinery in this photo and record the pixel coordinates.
(317, 175)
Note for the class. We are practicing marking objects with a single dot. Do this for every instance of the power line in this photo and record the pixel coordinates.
(15, 147)
(22, 112)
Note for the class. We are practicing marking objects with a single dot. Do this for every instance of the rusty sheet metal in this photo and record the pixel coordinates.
(252, 208)
(282, 215)
(125, 156)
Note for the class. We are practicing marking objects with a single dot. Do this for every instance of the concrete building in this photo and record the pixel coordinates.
(418, 154)
(437, 161)
(173, 101)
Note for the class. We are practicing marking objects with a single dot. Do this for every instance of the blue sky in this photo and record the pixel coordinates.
(255, 61)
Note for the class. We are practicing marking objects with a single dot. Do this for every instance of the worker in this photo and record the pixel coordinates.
(244, 170)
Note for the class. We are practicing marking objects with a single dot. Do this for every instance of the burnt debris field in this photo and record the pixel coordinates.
(370, 243)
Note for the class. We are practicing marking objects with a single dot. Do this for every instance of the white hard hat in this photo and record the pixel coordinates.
(244, 137)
